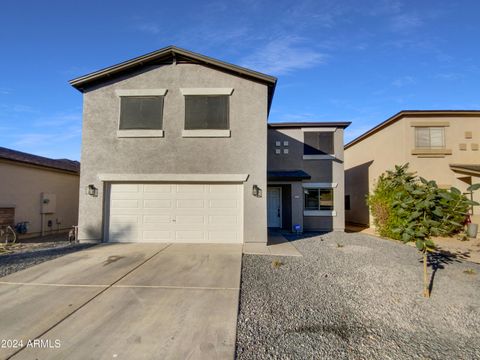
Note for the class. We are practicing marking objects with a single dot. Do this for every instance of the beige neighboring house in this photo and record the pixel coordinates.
(39, 190)
(440, 145)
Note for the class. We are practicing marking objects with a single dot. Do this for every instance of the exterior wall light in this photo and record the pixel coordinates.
(256, 191)
(92, 190)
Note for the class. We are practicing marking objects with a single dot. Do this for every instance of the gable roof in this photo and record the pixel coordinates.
(404, 113)
(168, 55)
(67, 165)
(340, 124)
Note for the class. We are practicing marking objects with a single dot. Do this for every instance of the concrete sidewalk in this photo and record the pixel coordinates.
(277, 245)
(126, 301)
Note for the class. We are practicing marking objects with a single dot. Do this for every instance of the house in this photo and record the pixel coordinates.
(38, 190)
(175, 150)
(440, 145)
(306, 176)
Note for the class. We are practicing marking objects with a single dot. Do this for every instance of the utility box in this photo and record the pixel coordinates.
(48, 203)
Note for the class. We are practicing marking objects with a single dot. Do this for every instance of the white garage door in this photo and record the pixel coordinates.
(186, 213)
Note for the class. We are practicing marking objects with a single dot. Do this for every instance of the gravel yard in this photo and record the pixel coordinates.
(29, 254)
(354, 296)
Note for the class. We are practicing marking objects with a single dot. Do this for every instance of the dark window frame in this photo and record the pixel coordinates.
(125, 124)
(189, 126)
(319, 206)
(312, 143)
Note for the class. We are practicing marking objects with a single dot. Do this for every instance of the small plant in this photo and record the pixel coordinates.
(470, 272)
(339, 245)
(276, 263)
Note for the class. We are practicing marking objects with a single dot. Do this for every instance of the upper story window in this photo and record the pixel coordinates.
(141, 112)
(430, 137)
(318, 143)
(206, 112)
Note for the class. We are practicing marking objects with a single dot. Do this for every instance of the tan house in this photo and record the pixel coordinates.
(440, 145)
(38, 190)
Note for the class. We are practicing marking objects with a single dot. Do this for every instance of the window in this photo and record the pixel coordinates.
(318, 143)
(318, 199)
(430, 137)
(206, 112)
(141, 113)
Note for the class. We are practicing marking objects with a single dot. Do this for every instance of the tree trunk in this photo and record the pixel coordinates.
(426, 291)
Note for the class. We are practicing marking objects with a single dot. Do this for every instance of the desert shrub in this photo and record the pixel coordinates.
(400, 196)
(382, 198)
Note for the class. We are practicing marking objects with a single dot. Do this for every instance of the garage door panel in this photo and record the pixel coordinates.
(157, 236)
(157, 204)
(223, 236)
(223, 204)
(190, 188)
(183, 213)
(190, 236)
(190, 204)
(157, 188)
(223, 220)
(190, 219)
(123, 188)
(157, 219)
(125, 204)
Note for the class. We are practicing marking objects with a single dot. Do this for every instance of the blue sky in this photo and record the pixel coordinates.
(359, 61)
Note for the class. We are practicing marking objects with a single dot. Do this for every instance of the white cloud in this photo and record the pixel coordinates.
(282, 56)
(404, 81)
(405, 22)
(150, 28)
(449, 76)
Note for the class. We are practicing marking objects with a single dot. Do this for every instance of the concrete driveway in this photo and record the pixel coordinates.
(124, 301)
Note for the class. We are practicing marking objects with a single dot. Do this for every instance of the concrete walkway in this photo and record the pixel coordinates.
(125, 301)
(277, 245)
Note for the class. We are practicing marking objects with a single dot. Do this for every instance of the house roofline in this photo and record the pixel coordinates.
(340, 124)
(19, 157)
(404, 113)
(97, 77)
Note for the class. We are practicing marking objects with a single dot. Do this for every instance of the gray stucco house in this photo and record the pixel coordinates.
(175, 148)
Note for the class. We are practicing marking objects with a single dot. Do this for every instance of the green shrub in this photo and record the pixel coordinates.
(381, 200)
(400, 197)
(412, 208)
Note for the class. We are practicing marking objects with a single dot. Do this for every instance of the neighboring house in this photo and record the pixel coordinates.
(39, 190)
(175, 150)
(306, 176)
(439, 145)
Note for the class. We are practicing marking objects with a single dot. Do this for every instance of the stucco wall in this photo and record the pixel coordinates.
(323, 171)
(243, 153)
(393, 145)
(22, 185)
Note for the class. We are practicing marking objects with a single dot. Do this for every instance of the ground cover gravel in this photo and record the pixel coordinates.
(24, 258)
(355, 296)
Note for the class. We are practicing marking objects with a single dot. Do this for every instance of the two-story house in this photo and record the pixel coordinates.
(438, 145)
(306, 176)
(174, 149)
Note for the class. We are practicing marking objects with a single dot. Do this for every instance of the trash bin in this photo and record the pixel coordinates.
(472, 230)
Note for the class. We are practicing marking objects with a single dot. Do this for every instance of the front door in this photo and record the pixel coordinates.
(274, 205)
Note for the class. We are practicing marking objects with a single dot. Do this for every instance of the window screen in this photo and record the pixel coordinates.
(430, 137)
(141, 112)
(206, 112)
(318, 199)
(320, 143)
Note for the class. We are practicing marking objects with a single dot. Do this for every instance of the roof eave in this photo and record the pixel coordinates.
(80, 82)
(404, 113)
